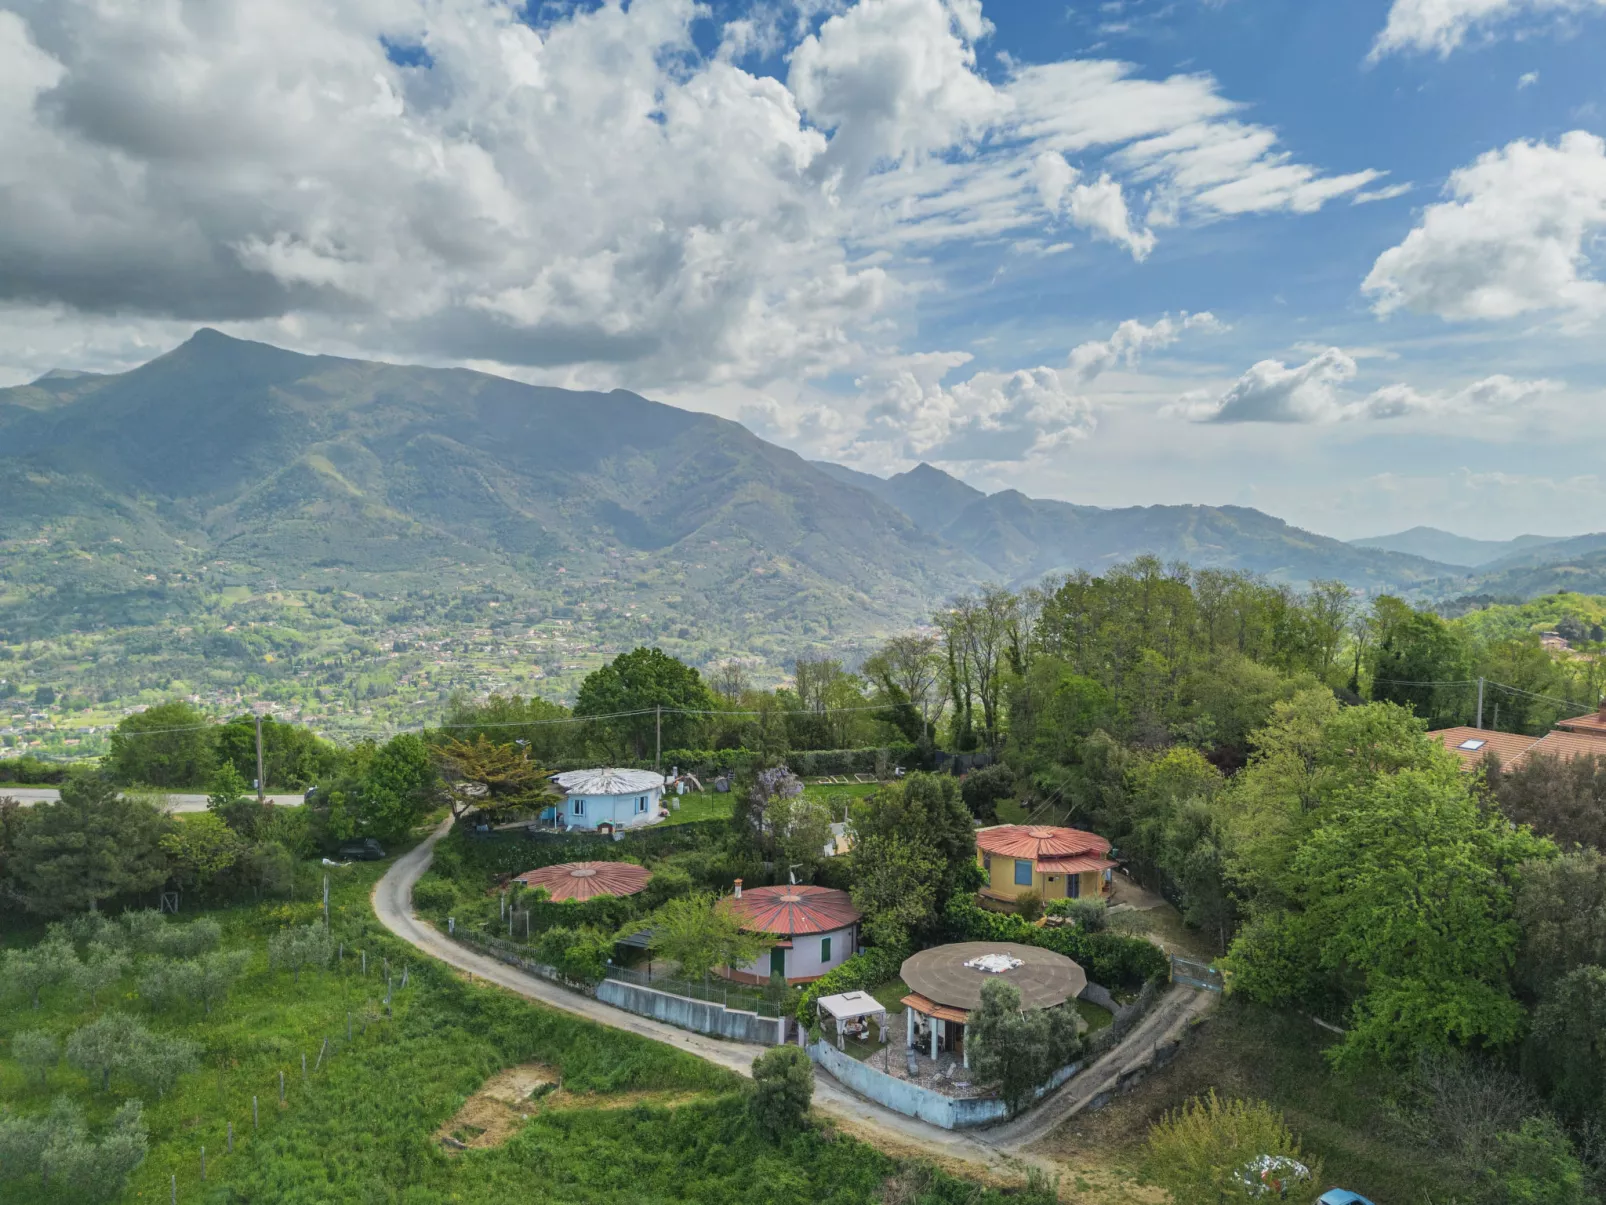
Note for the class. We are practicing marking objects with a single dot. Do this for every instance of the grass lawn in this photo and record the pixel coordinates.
(1097, 1018)
(699, 805)
(1247, 1051)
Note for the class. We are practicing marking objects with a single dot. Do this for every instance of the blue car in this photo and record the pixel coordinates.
(1341, 1196)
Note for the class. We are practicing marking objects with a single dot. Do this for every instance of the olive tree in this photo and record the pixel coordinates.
(783, 1081)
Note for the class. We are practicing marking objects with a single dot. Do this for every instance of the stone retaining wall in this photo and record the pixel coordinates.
(700, 1016)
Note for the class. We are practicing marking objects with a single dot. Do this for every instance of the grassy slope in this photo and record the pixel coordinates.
(360, 1128)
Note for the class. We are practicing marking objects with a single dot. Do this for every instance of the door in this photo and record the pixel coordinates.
(778, 961)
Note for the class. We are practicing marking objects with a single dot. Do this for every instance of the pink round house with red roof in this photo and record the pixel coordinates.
(1057, 863)
(815, 930)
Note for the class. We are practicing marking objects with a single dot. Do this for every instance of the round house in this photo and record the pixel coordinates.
(815, 930)
(582, 881)
(606, 800)
(1057, 863)
(945, 985)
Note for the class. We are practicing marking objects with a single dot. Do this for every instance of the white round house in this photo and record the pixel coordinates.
(608, 799)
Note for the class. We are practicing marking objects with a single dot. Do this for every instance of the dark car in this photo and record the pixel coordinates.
(365, 850)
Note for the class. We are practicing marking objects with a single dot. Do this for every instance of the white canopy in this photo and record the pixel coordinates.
(849, 1005)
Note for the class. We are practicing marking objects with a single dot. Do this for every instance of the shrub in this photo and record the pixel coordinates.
(982, 789)
(783, 1081)
(1090, 916)
(1533, 1165)
(1205, 1151)
(434, 895)
(1029, 906)
(577, 954)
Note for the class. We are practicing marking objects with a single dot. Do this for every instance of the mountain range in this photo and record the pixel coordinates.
(1464, 551)
(227, 460)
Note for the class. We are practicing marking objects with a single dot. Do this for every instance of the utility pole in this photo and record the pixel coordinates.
(262, 785)
(658, 755)
(1480, 703)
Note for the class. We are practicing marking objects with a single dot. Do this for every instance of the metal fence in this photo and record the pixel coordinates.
(715, 991)
(1195, 974)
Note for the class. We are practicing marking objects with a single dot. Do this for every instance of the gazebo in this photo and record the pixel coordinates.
(945, 985)
(853, 1011)
(582, 881)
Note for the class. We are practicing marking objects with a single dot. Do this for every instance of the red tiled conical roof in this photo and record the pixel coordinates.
(582, 881)
(1039, 842)
(792, 909)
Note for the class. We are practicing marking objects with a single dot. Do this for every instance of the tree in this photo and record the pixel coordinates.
(200, 849)
(90, 846)
(397, 785)
(1534, 1165)
(638, 684)
(909, 671)
(156, 1063)
(1566, 1053)
(104, 966)
(895, 886)
(1205, 1152)
(1412, 652)
(168, 982)
(106, 1045)
(227, 800)
(751, 817)
(1562, 799)
(491, 780)
(169, 745)
(31, 970)
(57, 1148)
(36, 1053)
(218, 971)
(580, 955)
(298, 947)
(701, 936)
(293, 756)
(802, 830)
(982, 789)
(1019, 1051)
(512, 718)
(783, 1086)
(1561, 909)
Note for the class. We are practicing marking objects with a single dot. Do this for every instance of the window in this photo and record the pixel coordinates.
(641, 804)
(1023, 873)
(1472, 746)
(778, 961)
(825, 949)
(1073, 886)
(987, 863)
(577, 807)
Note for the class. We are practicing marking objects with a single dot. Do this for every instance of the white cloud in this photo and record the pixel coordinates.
(1440, 26)
(591, 198)
(1313, 392)
(1512, 238)
(1527, 80)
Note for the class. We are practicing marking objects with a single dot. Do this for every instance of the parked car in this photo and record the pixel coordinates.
(1341, 1196)
(364, 850)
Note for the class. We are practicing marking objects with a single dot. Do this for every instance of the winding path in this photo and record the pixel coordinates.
(998, 1154)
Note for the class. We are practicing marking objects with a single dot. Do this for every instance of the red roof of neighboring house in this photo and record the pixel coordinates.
(1472, 745)
(1566, 745)
(1594, 724)
(582, 881)
(1039, 842)
(793, 909)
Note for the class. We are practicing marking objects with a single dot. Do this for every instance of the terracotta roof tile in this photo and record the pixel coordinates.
(1472, 745)
(1594, 724)
(582, 881)
(793, 910)
(1566, 745)
(1038, 841)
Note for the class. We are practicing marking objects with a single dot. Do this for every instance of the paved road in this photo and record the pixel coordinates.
(884, 1128)
(28, 796)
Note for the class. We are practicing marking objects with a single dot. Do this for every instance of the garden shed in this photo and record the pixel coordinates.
(945, 985)
(815, 930)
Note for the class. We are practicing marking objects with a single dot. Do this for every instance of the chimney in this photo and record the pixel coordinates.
(738, 889)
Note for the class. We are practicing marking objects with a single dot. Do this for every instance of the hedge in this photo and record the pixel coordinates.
(1110, 959)
(464, 854)
(869, 968)
(30, 769)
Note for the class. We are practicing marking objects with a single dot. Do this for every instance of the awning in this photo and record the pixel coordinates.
(1076, 865)
(849, 1005)
(926, 1008)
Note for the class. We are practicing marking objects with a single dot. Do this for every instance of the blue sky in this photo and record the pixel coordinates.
(1338, 260)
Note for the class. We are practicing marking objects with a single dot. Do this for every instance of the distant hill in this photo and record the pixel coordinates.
(232, 465)
(1451, 549)
(1021, 539)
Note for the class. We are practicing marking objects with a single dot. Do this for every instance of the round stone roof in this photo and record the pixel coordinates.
(581, 881)
(792, 909)
(1043, 978)
(608, 781)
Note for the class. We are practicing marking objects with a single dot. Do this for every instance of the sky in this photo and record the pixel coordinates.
(1341, 260)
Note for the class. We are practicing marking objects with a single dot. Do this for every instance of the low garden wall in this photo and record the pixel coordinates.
(951, 1113)
(700, 1016)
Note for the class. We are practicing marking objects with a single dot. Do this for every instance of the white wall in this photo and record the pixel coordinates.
(803, 959)
(618, 810)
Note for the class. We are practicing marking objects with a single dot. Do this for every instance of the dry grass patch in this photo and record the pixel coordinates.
(496, 1112)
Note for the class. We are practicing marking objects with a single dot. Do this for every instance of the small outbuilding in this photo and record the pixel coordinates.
(814, 929)
(608, 799)
(1057, 863)
(581, 881)
(853, 1012)
(945, 985)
